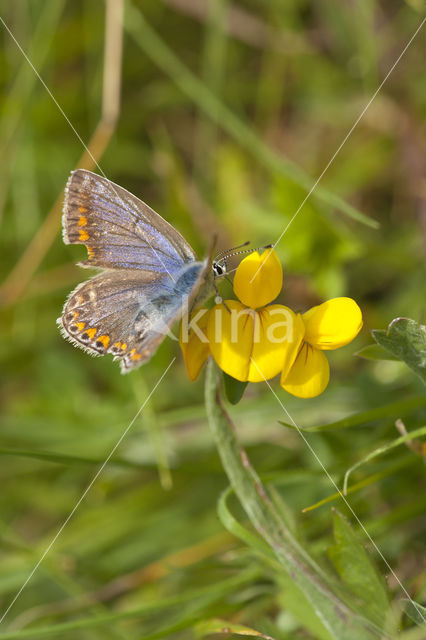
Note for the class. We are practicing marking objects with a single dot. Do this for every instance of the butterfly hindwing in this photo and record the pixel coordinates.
(127, 313)
(191, 284)
(119, 230)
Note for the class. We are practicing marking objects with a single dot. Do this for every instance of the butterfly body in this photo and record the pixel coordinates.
(150, 274)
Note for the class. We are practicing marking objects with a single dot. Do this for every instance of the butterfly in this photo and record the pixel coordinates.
(150, 274)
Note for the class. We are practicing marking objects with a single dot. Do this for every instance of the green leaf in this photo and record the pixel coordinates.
(234, 389)
(357, 571)
(231, 524)
(291, 597)
(405, 339)
(342, 620)
(223, 627)
(417, 433)
(375, 352)
(393, 410)
(415, 611)
(293, 600)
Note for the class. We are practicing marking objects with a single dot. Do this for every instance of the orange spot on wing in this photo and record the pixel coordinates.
(82, 209)
(104, 340)
(83, 235)
(80, 325)
(120, 345)
(82, 221)
(91, 332)
(134, 355)
(90, 251)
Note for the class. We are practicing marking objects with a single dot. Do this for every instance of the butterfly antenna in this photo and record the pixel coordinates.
(232, 249)
(223, 257)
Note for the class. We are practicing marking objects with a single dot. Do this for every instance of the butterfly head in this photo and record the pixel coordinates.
(219, 264)
(219, 268)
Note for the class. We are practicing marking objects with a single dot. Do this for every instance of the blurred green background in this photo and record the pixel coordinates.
(229, 113)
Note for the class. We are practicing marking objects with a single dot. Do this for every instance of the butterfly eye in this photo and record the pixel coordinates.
(218, 269)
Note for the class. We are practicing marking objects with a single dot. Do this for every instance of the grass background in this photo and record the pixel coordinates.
(229, 112)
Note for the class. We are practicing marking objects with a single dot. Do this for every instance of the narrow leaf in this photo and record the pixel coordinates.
(223, 627)
(63, 458)
(357, 570)
(415, 611)
(396, 409)
(233, 526)
(360, 485)
(417, 433)
(195, 600)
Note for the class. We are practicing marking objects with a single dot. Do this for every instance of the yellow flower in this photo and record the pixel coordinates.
(248, 340)
(253, 340)
(328, 326)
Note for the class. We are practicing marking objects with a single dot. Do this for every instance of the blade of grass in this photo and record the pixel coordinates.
(156, 432)
(20, 275)
(16, 99)
(151, 43)
(224, 627)
(213, 58)
(63, 458)
(393, 410)
(360, 485)
(417, 433)
(203, 596)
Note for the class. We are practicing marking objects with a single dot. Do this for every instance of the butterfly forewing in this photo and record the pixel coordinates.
(119, 230)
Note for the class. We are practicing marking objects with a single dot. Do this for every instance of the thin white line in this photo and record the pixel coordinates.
(333, 157)
(300, 432)
(84, 494)
(48, 90)
(75, 132)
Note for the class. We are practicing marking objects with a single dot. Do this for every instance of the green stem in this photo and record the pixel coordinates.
(337, 616)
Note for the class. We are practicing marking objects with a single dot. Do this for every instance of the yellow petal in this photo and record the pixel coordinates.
(258, 279)
(194, 343)
(281, 334)
(309, 375)
(332, 324)
(254, 345)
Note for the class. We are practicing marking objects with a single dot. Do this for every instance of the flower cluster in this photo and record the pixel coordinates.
(253, 340)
